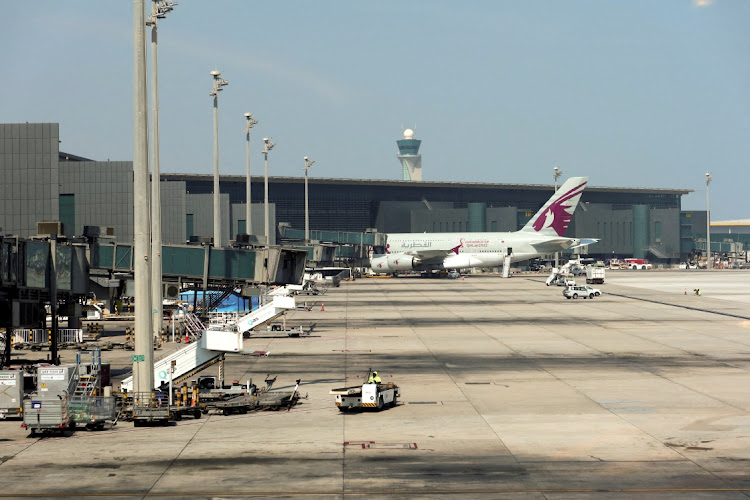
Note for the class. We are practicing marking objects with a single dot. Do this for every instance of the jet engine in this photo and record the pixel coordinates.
(393, 262)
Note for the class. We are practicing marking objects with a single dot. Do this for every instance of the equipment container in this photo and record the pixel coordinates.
(46, 413)
(11, 393)
(56, 379)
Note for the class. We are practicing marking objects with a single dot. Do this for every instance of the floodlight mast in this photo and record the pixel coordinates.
(709, 261)
(250, 123)
(159, 10)
(219, 83)
(143, 360)
(267, 146)
(556, 173)
(308, 163)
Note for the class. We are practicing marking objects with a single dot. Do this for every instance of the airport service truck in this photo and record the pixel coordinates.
(594, 275)
(375, 396)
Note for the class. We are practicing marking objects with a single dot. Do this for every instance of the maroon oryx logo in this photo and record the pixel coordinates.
(557, 215)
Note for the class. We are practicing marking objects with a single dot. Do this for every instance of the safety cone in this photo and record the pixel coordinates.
(322, 307)
(187, 338)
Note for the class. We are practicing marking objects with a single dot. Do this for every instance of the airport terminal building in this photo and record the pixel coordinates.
(40, 183)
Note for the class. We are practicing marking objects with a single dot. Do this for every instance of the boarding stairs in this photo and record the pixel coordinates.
(89, 375)
(277, 306)
(193, 325)
(562, 272)
(192, 358)
(217, 297)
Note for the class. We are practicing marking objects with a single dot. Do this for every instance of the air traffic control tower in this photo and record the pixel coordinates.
(408, 154)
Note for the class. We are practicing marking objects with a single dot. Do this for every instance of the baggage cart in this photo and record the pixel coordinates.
(93, 412)
(46, 414)
(146, 408)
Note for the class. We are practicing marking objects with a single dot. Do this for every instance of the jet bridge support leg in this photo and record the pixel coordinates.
(506, 266)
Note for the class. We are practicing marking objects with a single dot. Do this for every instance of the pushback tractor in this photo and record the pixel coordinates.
(367, 396)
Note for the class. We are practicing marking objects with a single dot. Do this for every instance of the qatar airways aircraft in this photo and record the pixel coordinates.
(544, 234)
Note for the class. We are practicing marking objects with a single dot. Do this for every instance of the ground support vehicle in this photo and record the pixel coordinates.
(370, 396)
(93, 412)
(177, 412)
(47, 414)
(238, 404)
(638, 264)
(11, 393)
(277, 400)
(573, 292)
(595, 275)
(145, 408)
(282, 330)
(249, 400)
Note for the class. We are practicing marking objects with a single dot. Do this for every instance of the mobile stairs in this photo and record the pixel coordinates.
(212, 343)
(87, 406)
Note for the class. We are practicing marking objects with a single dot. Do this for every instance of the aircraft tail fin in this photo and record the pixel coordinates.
(554, 217)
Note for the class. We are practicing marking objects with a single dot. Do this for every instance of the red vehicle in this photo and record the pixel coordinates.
(638, 264)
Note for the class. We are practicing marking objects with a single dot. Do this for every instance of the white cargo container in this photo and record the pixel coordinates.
(595, 275)
(11, 393)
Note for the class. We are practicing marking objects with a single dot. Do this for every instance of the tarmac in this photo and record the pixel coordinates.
(508, 391)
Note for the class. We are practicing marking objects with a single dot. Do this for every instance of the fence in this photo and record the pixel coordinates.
(42, 336)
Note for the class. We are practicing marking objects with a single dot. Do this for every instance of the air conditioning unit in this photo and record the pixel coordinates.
(49, 227)
(171, 290)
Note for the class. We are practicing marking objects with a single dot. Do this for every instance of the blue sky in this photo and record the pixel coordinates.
(633, 94)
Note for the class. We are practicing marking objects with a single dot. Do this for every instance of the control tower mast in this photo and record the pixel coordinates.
(408, 154)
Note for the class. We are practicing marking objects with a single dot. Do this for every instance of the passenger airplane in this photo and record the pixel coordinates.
(544, 234)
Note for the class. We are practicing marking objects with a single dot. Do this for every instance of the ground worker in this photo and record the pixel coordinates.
(374, 378)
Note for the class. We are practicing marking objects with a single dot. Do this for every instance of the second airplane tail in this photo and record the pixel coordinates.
(554, 217)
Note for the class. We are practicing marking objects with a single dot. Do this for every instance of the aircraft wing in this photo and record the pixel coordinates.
(585, 242)
(558, 244)
(434, 254)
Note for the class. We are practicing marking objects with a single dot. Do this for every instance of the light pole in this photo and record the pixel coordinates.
(308, 163)
(248, 215)
(159, 10)
(143, 360)
(268, 146)
(709, 263)
(219, 83)
(556, 173)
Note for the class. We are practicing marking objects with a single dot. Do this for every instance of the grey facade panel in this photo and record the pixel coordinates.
(201, 206)
(257, 214)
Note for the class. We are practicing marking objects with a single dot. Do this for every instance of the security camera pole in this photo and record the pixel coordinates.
(268, 146)
(143, 360)
(219, 83)
(308, 163)
(709, 262)
(248, 214)
(159, 10)
(556, 173)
